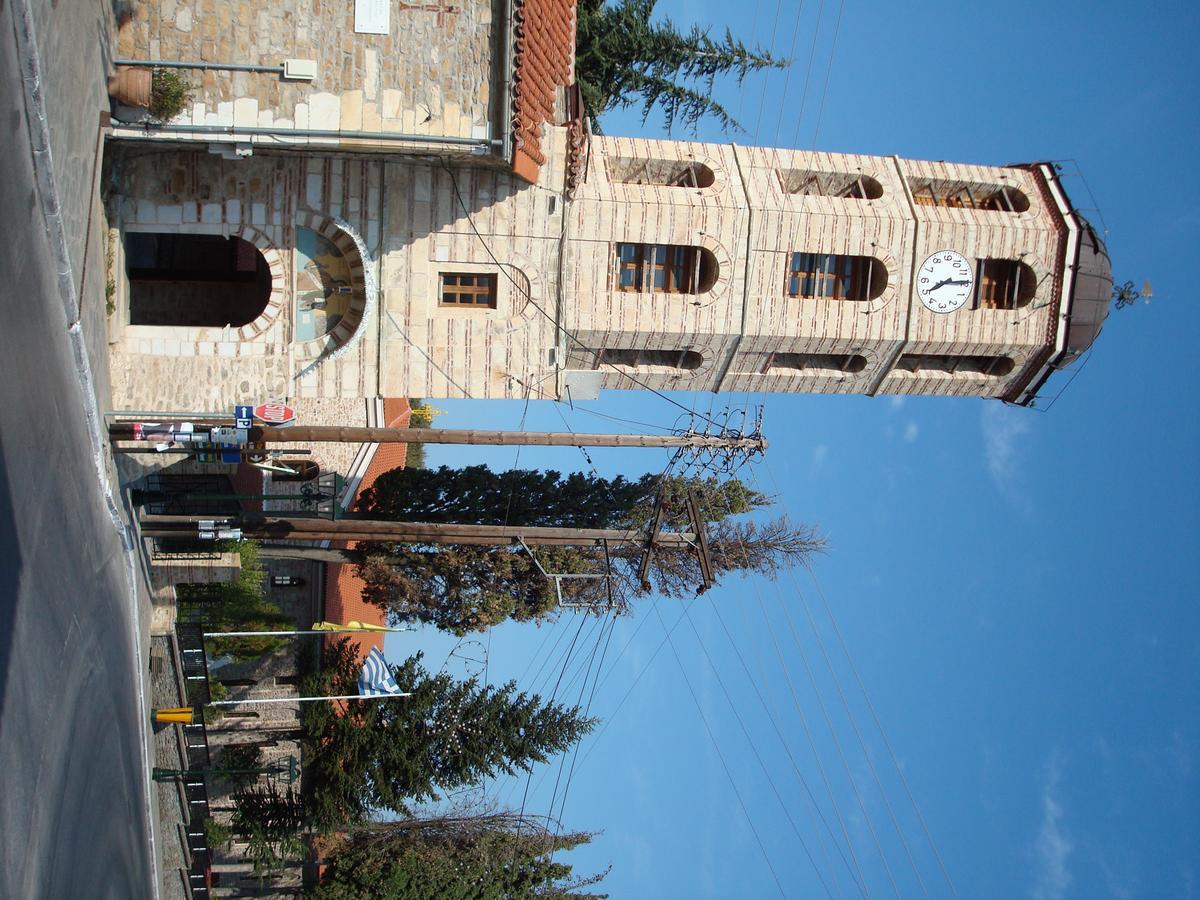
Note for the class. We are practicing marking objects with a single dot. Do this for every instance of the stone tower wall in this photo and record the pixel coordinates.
(753, 215)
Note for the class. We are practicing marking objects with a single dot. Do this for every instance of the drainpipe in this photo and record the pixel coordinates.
(505, 84)
(181, 64)
(479, 147)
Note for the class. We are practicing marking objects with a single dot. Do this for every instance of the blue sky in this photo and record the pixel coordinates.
(1017, 589)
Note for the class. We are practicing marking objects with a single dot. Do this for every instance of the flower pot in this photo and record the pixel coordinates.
(130, 86)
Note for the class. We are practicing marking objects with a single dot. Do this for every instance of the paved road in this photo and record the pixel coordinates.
(74, 820)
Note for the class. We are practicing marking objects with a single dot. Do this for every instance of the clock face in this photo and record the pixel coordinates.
(944, 281)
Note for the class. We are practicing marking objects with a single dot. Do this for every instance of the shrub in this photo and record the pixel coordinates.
(169, 94)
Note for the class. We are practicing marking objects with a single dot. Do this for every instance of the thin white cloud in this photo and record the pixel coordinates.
(897, 401)
(1054, 845)
(1004, 429)
(911, 431)
(819, 455)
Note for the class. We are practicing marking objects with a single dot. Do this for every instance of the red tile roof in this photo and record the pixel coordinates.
(343, 588)
(543, 61)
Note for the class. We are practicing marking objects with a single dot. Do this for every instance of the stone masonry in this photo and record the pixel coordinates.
(432, 74)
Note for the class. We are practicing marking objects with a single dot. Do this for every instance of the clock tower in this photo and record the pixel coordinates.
(727, 268)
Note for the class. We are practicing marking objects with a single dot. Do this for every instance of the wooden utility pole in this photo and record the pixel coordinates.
(319, 434)
(280, 528)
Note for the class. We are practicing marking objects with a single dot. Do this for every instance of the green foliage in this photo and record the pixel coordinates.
(215, 833)
(239, 606)
(621, 58)
(169, 94)
(415, 456)
(423, 414)
(480, 856)
(241, 756)
(514, 497)
(462, 588)
(272, 822)
(388, 754)
(216, 691)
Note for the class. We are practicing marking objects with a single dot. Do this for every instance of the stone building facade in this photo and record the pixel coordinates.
(673, 265)
(424, 85)
(551, 264)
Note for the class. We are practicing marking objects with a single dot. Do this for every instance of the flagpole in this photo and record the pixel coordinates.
(380, 630)
(307, 699)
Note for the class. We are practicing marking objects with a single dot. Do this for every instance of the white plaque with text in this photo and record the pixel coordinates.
(372, 16)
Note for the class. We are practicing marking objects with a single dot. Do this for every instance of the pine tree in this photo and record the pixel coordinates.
(455, 856)
(515, 497)
(463, 588)
(621, 58)
(388, 754)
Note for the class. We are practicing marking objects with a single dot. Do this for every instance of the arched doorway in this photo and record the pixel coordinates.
(195, 280)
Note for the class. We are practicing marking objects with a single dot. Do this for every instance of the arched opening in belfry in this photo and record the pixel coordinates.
(198, 280)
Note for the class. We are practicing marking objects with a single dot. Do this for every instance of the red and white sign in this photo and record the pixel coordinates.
(274, 413)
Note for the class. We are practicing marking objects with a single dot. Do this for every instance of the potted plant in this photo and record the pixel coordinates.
(169, 95)
(130, 86)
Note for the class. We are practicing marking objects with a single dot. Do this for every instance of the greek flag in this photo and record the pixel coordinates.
(376, 679)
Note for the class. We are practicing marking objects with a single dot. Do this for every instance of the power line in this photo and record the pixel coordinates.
(860, 880)
(720, 756)
(753, 747)
(828, 69)
(883, 734)
(559, 328)
(857, 732)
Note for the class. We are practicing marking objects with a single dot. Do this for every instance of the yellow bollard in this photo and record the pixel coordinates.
(181, 714)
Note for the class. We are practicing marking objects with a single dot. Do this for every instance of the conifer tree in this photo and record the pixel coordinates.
(514, 497)
(391, 753)
(500, 855)
(622, 58)
(462, 587)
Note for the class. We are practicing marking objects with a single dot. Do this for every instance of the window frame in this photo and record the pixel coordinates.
(644, 262)
(469, 285)
(998, 285)
(646, 357)
(948, 194)
(829, 276)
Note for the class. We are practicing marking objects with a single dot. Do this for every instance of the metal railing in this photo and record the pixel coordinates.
(196, 754)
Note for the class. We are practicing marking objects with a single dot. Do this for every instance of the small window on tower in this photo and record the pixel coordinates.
(664, 268)
(967, 195)
(468, 290)
(832, 276)
(1004, 284)
(839, 185)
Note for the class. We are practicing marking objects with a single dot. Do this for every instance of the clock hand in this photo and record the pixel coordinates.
(942, 283)
(964, 281)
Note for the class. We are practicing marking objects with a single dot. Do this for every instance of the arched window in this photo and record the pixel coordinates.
(844, 185)
(950, 364)
(199, 280)
(1004, 284)
(967, 195)
(665, 268)
(665, 172)
(815, 363)
(835, 277)
(687, 360)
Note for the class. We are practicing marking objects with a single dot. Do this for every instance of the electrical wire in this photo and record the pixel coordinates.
(858, 734)
(549, 318)
(721, 756)
(883, 734)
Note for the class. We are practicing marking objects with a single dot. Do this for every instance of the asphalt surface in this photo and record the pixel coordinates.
(75, 821)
